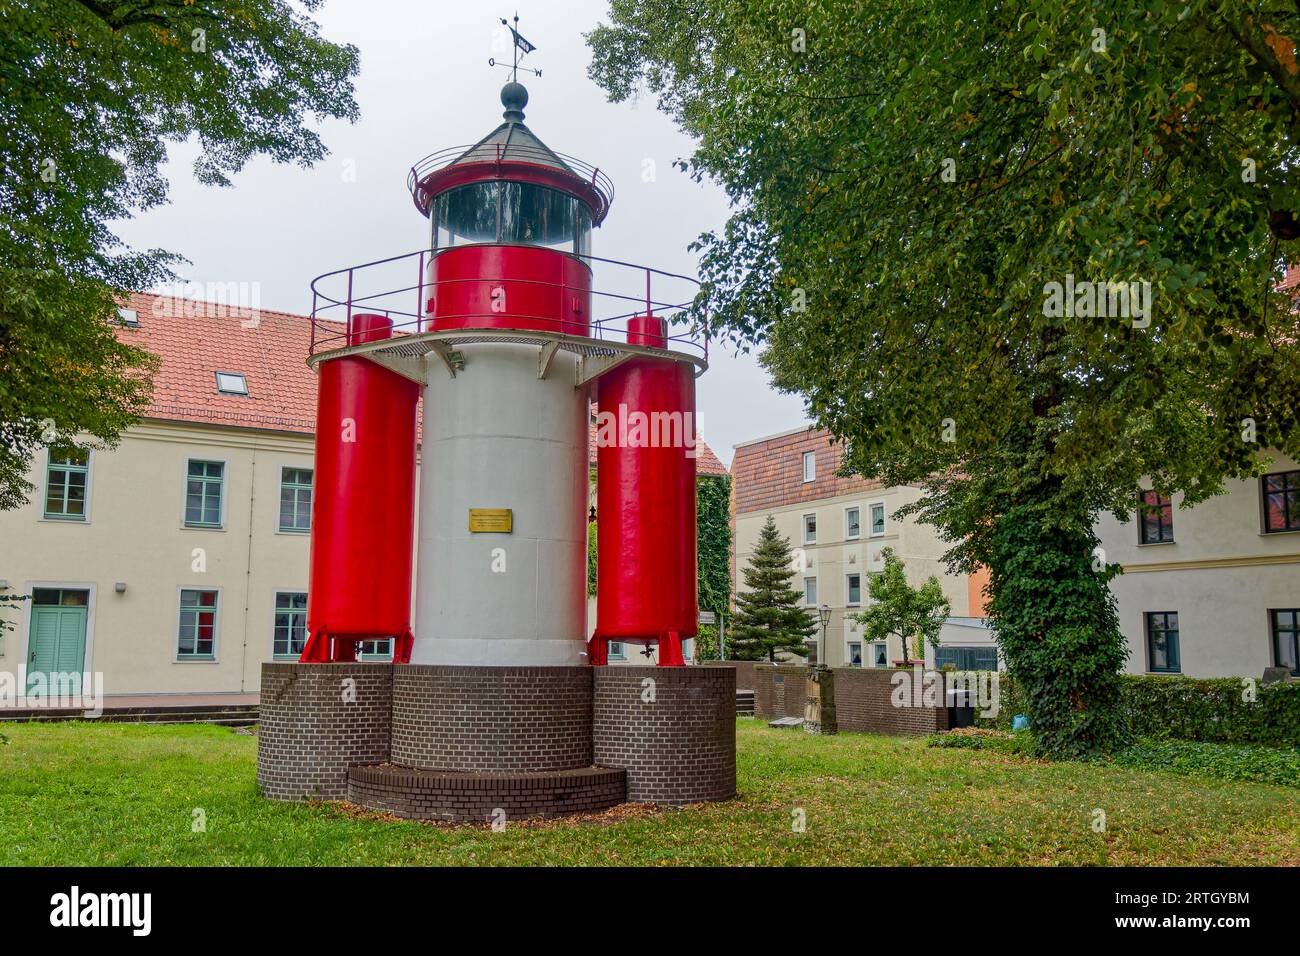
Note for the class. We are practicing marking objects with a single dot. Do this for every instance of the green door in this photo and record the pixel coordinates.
(57, 646)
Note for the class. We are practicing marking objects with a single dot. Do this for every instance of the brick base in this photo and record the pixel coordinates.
(492, 719)
(316, 721)
(675, 737)
(483, 797)
(458, 743)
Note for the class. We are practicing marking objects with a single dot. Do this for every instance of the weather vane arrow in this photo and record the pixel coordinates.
(521, 48)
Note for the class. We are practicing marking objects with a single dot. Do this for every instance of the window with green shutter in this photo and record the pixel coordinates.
(203, 486)
(290, 624)
(65, 483)
(295, 499)
(197, 634)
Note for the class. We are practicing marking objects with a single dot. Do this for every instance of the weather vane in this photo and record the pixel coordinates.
(520, 45)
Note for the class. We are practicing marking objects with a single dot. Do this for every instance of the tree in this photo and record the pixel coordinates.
(89, 94)
(768, 615)
(914, 615)
(928, 197)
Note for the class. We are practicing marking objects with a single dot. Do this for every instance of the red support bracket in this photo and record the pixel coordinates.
(402, 647)
(670, 649)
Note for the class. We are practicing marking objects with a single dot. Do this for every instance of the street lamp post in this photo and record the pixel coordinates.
(825, 614)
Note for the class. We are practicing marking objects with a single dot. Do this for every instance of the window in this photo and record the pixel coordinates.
(197, 638)
(855, 654)
(65, 483)
(877, 520)
(1281, 501)
(879, 655)
(852, 526)
(376, 650)
(203, 494)
(295, 499)
(290, 623)
(809, 466)
(232, 383)
(616, 651)
(966, 658)
(511, 212)
(129, 317)
(810, 591)
(1162, 642)
(60, 597)
(1286, 639)
(854, 589)
(809, 529)
(1155, 518)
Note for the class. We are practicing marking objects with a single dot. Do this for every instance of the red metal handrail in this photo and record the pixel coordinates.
(512, 152)
(338, 295)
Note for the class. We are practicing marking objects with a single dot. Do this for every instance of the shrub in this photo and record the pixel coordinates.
(1184, 708)
(1220, 761)
(1021, 744)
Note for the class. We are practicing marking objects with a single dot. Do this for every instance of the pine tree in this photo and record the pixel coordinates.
(768, 615)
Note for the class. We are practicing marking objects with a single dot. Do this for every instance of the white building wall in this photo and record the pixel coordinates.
(134, 535)
(1222, 575)
(834, 556)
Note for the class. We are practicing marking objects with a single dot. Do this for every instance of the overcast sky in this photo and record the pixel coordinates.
(425, 84)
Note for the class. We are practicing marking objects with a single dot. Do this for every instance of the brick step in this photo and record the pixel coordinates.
(461, 797)
(228, 720)
(38, 716)
(230, 716)
(744, 703)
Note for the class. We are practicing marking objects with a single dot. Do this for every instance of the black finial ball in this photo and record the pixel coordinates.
(514, 97)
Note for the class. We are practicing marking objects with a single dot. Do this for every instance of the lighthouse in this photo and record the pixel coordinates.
(491, 355)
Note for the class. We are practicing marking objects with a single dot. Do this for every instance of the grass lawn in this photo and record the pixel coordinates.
(121, 794)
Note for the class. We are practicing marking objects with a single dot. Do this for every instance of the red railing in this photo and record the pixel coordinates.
(498, 153)
(387, 287)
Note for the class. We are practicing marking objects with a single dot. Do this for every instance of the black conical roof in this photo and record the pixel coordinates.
(512, 140)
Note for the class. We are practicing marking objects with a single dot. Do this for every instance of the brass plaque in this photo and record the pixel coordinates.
(498, 520)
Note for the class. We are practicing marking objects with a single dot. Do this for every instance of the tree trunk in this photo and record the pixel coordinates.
(1056, 622)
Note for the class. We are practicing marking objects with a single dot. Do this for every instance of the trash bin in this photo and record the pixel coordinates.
(961, 708)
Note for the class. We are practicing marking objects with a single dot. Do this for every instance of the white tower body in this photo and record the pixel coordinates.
(498, 436)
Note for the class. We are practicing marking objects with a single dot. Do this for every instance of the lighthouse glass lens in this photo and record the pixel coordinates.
(467, 214)
(511, 212)
(537, 216)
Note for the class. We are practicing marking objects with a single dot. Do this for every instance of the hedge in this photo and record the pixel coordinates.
(1186, 708)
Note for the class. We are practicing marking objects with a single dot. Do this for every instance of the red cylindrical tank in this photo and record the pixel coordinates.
(363, 503)
(645, 496)
(514, 287)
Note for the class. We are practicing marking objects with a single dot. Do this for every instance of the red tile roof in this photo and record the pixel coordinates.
(706, 462)
(195, 340)
(769, 473)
